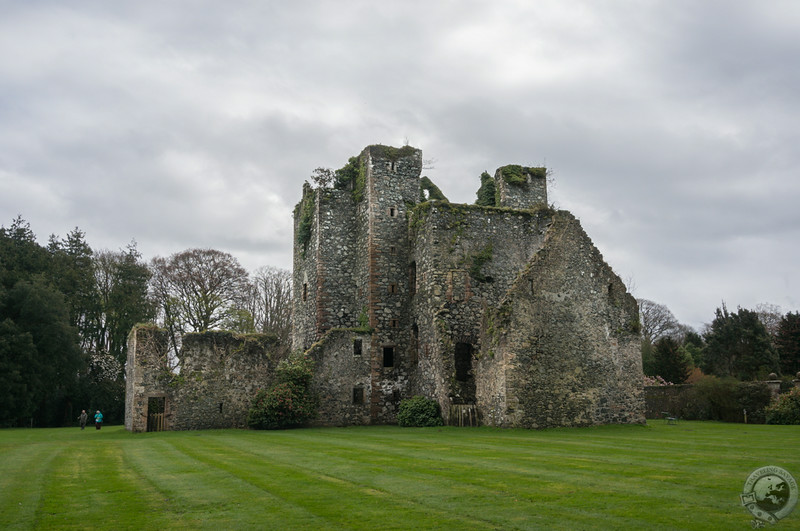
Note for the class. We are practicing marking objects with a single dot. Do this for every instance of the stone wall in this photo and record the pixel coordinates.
(218, 375)
(566, 338)
(146, 374)
(530, 193)
(467, 258)
(506, 312)
(342, 377)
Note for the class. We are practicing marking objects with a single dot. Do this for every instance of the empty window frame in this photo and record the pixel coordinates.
(388, 356)
(358, 395)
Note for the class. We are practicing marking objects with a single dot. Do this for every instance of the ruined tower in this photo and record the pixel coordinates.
(506, 314)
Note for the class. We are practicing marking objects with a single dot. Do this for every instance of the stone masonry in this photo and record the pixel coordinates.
(508, 312)
(506, 315)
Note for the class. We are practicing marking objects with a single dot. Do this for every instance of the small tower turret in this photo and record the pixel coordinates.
(521, 187)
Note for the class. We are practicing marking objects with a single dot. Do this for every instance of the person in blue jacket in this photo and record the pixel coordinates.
(98, 419)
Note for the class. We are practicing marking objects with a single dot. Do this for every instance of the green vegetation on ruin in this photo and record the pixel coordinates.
(660, 476)
(306, 207)
(391, 153)
(434, 193)
(515, 174)
(478, 261)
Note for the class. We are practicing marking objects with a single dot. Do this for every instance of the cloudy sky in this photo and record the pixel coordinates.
(671, 127)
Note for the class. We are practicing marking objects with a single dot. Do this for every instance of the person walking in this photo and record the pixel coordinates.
(83, 418)
(98, 419)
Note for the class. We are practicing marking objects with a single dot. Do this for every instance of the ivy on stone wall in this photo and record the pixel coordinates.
(486, 193)
(346, 176)
(515, 174)
(306, 207)
(391, 153)
(425, 184)
(478, 261)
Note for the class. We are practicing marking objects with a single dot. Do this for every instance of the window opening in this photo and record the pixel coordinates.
(357, 346)
(412, 278)
(392, 212)
(305, 291)
(392, 288)
(388, 356)
(394, 323)
(358, 395)
(463, 361)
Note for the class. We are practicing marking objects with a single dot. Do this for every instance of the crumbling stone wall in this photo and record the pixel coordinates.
(146, 374)
(528, 190)
(354, 270)
(467, 258)
(342, 377)
(218, 375)
(566, 338)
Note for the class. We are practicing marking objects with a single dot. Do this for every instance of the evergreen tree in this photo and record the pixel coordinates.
(738, 345)
(35, 314)
(671, 361)
(788, 343)
(72, 272)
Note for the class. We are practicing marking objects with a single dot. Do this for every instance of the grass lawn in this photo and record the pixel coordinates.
(685, 476)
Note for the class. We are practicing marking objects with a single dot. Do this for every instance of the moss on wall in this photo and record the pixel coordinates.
(515, 174)
(432, 189)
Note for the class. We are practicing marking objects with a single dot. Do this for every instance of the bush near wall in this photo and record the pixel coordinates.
(710, 398)
(785, 409)
(419, 412)
(289, 402)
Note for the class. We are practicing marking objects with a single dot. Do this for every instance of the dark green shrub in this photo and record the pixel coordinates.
(724, 399)
(785, 409)
(754, 397)
(419, 412)
(289, 402)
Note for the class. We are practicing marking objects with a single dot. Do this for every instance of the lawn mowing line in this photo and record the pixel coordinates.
(313, 473)
(655, 484)
(226, 502)
(424, 478)
(673, 458)
(106, 486)
(27, 509)
(192, 452)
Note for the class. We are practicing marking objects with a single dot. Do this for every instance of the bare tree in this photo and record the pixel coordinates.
(198, 289)
(271, 301)
(323, 177)
(770, 316)
(657, 321)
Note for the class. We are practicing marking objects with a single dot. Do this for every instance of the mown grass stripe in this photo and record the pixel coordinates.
(23, 472)
(331, 498)
(623, 477)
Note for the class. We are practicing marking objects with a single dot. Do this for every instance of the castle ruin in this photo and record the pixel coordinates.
(505, 314)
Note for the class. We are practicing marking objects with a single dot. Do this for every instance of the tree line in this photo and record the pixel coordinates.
(66, 311)
(748, 344)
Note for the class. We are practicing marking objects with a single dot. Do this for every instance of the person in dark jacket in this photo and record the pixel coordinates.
(83, 418)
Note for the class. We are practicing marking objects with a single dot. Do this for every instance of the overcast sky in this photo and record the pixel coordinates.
(671, 127)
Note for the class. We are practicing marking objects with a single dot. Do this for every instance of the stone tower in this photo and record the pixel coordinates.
(351, 272)
(505, 315)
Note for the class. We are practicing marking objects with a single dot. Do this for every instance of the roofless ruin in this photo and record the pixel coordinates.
(506, 313)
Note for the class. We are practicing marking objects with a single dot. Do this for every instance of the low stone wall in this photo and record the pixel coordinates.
(217, 376)
(665, 399)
